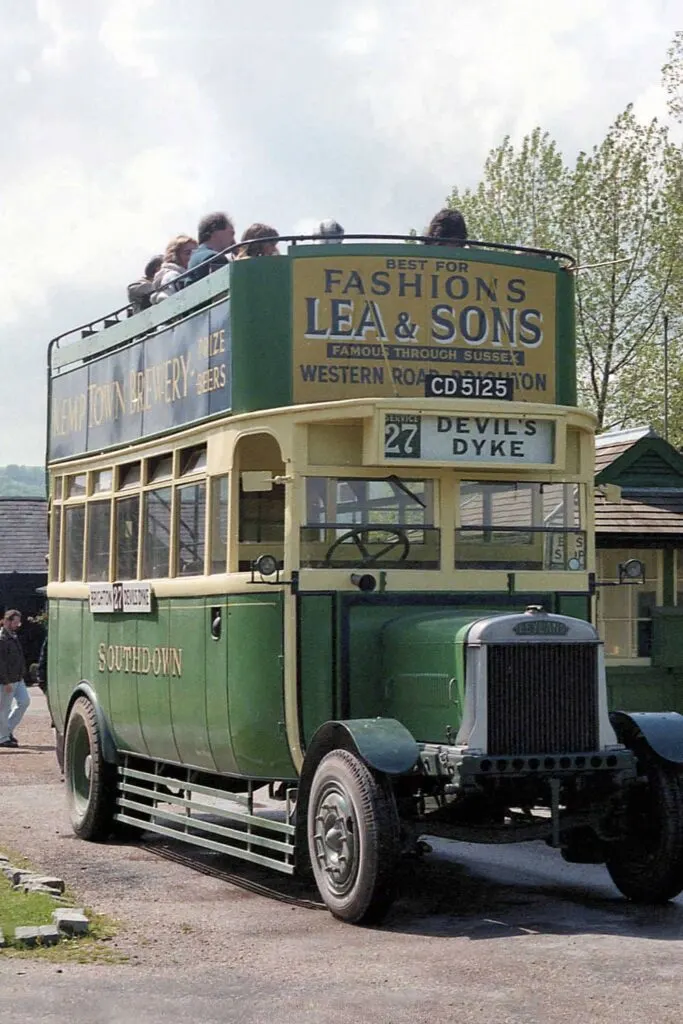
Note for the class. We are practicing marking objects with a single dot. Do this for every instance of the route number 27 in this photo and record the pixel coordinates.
(401, 439)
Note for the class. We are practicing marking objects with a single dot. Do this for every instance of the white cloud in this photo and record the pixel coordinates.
(124, 120)
(122, 36)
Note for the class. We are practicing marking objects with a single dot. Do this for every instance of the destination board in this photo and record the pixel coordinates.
(366, 326)
(483, 439)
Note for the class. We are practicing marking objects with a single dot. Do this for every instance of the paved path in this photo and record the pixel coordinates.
(495, 935)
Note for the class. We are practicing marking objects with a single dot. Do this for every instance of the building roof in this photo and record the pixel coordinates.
(641, 511)
(637, 458)
(613, 443)
(23, 535)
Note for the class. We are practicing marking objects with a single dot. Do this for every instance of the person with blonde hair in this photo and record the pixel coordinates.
(255, 236)
(176, 259)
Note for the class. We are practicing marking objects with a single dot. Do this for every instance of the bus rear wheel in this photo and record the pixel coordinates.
(90, 780)
(353, 838)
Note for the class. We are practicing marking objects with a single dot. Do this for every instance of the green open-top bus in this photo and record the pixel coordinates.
(323, 522)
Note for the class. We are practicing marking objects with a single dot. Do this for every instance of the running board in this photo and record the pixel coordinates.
(180, 809)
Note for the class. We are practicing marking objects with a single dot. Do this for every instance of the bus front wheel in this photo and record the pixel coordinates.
(353, 838)
(90, 780)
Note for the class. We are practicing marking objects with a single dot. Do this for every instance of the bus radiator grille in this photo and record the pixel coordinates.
(542, 698)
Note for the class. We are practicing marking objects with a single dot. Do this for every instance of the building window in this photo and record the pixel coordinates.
(191, 530)
(74, 530)
(127, 530)
(99, 521)
(156, 542)
(625, 610)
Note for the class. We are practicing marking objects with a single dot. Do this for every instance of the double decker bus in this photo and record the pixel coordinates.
(322, 522)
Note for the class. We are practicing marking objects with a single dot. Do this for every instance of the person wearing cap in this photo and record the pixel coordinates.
(331, 232)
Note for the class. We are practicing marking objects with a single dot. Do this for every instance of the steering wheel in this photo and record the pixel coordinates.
(357, 535)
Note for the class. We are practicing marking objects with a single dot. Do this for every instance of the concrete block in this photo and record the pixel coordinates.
(34, 887)
(49, 881)
(71, 922)
(49, 935)
(44, 935)
(17, 876)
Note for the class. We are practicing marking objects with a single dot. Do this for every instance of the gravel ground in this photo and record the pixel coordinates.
(481, 934)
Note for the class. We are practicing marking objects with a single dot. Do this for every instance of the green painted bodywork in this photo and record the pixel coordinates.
(223, 712)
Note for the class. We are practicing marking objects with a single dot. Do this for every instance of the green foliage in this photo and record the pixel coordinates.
(672, 76)
(620, 206)
(22, 482)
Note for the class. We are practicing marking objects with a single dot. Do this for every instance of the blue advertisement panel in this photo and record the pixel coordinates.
(163, 381)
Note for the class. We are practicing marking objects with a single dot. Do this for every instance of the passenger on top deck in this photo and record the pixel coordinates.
(331, 232)
(216, 232)
(139, 291)
(447, 227)
(256, 248)
(176, 259)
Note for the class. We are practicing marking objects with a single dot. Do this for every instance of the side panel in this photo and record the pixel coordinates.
(189, 635)
(644, 688)
(154, 698)
(316, 661)
(255, 684)
(118, 651)
(217, 708)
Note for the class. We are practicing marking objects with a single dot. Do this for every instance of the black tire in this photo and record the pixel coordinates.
(353, 838)
(90, 780)
(647, 865)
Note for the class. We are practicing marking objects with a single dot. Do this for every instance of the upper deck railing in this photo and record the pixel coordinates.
(330, 321)
(124, 313)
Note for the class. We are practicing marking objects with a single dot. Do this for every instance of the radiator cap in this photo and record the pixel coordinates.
(535, 609)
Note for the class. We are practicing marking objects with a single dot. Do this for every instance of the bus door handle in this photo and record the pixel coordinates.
(216, 623)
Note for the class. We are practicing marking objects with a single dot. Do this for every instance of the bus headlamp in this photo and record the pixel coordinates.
(266, 565)
(364, 581)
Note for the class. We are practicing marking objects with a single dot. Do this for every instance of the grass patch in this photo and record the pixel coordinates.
(35, 908)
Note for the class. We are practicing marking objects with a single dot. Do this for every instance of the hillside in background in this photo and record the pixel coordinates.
(22, 482)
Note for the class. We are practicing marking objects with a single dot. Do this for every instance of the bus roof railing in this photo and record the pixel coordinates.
(123, 313)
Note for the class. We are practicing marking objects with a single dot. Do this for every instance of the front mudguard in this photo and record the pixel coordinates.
(647, 733)
(383, 744)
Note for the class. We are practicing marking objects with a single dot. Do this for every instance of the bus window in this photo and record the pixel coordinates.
(74, 529)
(261, 524)
(219, 523)
(519, 526)
(99, 519)
(156, 533)
(191, 529)
(193, 460)
(384, 521)
(55, 542)
(127, 530)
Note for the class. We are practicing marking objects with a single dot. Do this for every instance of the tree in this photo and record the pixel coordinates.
(521, 194)
(672, 76)
(621, 207)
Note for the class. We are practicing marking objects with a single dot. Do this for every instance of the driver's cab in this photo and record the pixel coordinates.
(369, 520)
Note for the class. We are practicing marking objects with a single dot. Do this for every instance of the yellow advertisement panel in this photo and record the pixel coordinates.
(378, 326)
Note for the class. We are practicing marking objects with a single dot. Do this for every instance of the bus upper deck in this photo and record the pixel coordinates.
(420, 401)
(364, 319)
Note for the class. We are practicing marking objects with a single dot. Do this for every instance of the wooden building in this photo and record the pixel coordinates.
(641, 623)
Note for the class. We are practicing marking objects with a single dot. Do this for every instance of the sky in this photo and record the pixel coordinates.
(123, 121)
